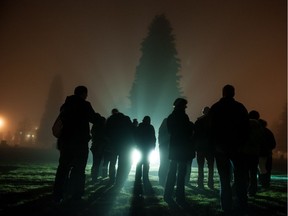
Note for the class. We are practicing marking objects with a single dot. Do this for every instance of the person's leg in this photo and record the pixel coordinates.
(164, 166)
(200, 161)
(269, 170)
(170, 181)
(62, 173)
(210, 162)
(224, 168)
(112, 168)
(138, 173)
(188, 171)
(104, 170)
(263, 171)
(78, 172)
(97, 157)
(180, 189)
(253, 169)
(124, 167)
(241, 180)
(146, 166)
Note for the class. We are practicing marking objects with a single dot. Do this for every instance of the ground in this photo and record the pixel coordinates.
(25, 189)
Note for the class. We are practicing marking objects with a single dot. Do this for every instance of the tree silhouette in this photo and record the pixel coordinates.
(156, 83)
(54, 101)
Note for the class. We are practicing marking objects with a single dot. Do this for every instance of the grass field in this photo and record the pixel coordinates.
(25, 189)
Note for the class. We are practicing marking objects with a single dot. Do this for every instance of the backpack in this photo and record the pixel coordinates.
(57, 127)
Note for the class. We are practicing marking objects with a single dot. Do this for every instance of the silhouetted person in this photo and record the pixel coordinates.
(145, 143)
(230, 130)
(265, 156)
(251, 149)
(119, 130)
(135, 123)
(204, 149)
(76, 114)
(163, 140)
(179, 127)
(98, 147)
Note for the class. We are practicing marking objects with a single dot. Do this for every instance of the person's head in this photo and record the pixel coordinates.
(146, 120)
(135, 122)
(254, 114)
(81, 91)
(205, 110)
(180, 103)
(228, 91)
(114, 111)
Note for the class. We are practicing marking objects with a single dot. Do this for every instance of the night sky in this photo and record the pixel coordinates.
(97, 43)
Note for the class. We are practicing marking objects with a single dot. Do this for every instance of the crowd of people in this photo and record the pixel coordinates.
(237, 140)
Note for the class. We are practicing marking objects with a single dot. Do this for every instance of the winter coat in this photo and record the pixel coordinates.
(163, 135)
(99, 138)
(269, 144)
(229, 125)
(76, 114)
(119, 130)
(181, 132)
(202, 135)
(145, 137)
(256, 139)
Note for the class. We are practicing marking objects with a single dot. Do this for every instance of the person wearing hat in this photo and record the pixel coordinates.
(180, 129)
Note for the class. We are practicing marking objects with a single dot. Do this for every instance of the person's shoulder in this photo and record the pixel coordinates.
(69, 99)
(240, 105)
(216, 104)
(238, 102)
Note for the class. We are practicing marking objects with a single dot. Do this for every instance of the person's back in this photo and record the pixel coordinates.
(181, 130)
(98, 132)
(119, 130)
(270, 143)
(145, 136)
(202, 134)
(77, 113)
(229, 124)
(256, 138)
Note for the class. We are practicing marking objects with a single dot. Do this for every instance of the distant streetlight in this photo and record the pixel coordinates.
(2, 122)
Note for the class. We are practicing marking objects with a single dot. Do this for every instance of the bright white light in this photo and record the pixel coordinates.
(154, 158)
(136, 156)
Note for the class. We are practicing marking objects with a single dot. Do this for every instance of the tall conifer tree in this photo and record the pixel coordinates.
(156, 83)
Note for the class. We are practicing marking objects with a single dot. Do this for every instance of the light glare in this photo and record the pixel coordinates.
(136, 156)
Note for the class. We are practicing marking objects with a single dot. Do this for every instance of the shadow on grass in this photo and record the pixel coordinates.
(23, 194)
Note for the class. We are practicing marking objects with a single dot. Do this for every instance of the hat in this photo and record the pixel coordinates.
(180, 102)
